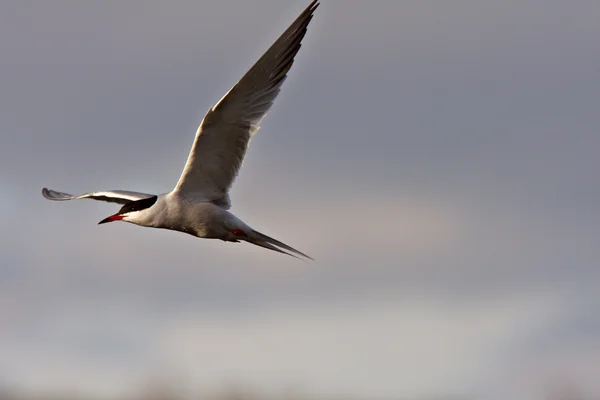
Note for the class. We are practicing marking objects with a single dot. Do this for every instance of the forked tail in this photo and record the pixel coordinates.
(267, 242)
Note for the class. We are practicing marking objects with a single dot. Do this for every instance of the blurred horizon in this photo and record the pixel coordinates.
(438, 160)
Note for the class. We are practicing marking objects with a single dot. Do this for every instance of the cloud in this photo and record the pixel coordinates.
(422, 152)
(419, 339)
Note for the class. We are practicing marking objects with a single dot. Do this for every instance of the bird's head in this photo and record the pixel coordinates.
(132, 212)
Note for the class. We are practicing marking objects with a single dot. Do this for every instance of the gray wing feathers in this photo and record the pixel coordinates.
(253, 95)
(111, 196)
(224, 134)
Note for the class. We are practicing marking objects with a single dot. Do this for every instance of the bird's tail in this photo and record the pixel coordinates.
(267, 242)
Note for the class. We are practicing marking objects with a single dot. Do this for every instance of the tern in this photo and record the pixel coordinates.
(199, 203)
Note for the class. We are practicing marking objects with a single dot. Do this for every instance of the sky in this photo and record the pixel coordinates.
(438, 159)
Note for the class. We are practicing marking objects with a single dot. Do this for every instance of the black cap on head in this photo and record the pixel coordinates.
(138, 205)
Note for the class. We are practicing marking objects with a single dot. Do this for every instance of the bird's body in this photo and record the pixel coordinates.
(199, 204)
(202, 219)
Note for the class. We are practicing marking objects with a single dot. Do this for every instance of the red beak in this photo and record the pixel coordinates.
(112, 218)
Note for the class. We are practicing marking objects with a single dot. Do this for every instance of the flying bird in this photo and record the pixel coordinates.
(199, 203)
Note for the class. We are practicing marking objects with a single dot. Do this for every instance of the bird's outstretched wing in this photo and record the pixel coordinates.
(225, 131)
(111, 196)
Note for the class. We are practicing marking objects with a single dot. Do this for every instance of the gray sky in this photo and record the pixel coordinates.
(438, 159)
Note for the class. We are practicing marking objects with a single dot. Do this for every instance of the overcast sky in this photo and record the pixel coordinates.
(439, 159)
